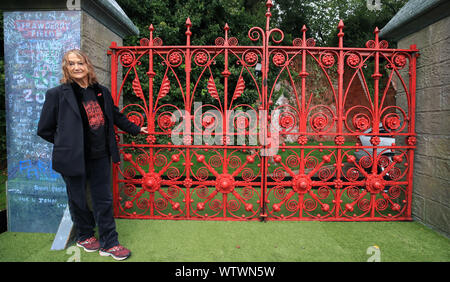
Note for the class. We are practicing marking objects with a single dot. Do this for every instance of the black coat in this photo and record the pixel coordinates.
(61, 124)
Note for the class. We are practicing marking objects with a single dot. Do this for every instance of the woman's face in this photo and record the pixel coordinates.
(77, 68)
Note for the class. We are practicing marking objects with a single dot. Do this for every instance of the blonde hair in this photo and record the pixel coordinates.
(92, 78)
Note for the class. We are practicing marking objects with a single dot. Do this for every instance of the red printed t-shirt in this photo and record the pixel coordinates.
(96, 134)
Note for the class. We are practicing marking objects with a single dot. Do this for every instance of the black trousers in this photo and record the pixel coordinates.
(98, 175)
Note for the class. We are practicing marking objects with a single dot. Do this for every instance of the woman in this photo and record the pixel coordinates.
(78, 117)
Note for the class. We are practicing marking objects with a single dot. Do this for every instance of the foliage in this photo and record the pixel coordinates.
(359, 27)
(208, 20)
(321, 17)
(359, 21)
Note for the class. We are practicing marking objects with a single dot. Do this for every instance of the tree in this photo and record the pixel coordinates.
(208, 18)
(360, 21)
(290, 16)
(321, 17)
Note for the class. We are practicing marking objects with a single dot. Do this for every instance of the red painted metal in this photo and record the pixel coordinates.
(270, 179)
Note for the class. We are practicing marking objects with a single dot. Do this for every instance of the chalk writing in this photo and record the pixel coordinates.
(35, 42)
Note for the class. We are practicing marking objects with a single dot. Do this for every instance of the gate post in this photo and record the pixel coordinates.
(37, 34)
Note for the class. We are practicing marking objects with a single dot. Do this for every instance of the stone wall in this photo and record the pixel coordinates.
(431, 192)
(95, 41)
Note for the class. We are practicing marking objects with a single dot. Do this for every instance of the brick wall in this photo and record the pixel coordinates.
(431, 192)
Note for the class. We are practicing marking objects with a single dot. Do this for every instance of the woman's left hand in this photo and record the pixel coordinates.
(144, 129)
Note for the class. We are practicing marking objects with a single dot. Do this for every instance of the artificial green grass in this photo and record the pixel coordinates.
(228, 241)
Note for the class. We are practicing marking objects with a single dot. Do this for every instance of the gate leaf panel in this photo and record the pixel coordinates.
(244, 133)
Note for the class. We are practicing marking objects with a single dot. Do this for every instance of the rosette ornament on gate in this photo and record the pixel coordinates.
(383, 193)
(283, 204)
(227, 183)
(148, 194)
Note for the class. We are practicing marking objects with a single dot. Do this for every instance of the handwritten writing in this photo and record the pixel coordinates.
(35, 42)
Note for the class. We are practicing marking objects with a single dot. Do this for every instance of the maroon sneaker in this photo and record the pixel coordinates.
(117, 252)
(89, 245)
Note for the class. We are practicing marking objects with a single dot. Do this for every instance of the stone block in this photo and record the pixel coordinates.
(418, 206)
(422, 145)
(439, 30)
(438, 146)
(428, 99)
(98, 32)
(95, 42)
(432, 122)
(432, 188)
(96, 52)
(442, 168)
(423, 164)
(424, 74)
(435, 53)
(444, 73)
(445, 98)
(429, 55)
(422, 39)
(438, 216)
(418, 187)
(432, 75)
(444, 49)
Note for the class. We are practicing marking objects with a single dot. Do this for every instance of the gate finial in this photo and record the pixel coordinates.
(304, 29)
(188, 31)
(268, 13)
(376, 31)
(341, 33)
(188, 23)
(151, 29)
(226, 28)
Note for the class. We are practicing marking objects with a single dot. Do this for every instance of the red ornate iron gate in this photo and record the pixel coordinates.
(234, 158)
